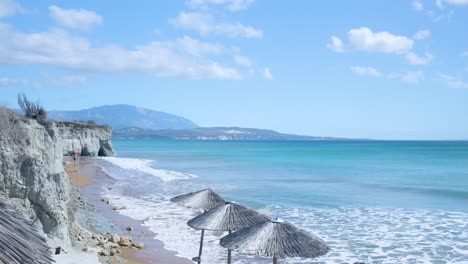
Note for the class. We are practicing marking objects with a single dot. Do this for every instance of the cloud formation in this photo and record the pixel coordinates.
(9, 82)
(414, 59)
(242, 60)
(364, 39)
(412, 77)
(440, 3)
(454, 82)
(198, 48)
(80, 19)
(267, 74)
(422, 34)
(369, 71)
(182, 58)
(417, 5)
(205, 24)
(9, 8)
(232, 5)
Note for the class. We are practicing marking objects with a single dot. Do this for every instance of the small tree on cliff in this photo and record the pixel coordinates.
(33, 110)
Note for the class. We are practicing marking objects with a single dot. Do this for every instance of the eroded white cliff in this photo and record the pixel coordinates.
(32, 177)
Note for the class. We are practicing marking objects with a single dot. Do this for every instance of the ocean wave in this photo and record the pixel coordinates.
(169, 222)
(369, 234)
(144, 166)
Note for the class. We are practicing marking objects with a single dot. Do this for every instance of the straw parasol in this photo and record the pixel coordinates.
(276, 239)
(229, 216)
(204, 199)
(19, 241)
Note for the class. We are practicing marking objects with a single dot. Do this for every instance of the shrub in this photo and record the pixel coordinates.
(9, 127)
(91, 122)
(33, 110)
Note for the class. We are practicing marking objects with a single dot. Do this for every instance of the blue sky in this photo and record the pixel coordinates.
(366, 69)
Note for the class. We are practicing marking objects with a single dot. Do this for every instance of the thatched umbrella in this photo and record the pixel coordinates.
(19, 241)
(204, 199)
(229, 217)
(276, 239)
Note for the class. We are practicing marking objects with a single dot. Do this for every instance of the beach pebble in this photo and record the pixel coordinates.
(138, 245)
(111, 253)
(129, 228)
(104, 253)
(115, 238)
(125, 241)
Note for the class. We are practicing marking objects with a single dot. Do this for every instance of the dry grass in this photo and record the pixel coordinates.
(9, 125)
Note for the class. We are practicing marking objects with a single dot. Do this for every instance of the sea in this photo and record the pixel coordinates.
(371, 201)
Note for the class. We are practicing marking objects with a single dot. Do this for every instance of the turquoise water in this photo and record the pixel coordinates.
(397, 174)
(411, 192)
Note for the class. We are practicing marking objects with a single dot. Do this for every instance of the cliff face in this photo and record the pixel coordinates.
(32, 177)
(91, 140)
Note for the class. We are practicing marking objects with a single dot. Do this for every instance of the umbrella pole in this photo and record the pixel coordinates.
(201, 245)
(229, 252)
(274, 260)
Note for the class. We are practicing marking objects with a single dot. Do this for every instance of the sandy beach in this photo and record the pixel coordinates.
(99, 216)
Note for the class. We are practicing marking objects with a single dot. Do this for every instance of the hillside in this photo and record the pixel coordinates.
(208, 133)
(123, 116)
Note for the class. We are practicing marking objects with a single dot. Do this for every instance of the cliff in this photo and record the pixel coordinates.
(91, 140)
(32, 177)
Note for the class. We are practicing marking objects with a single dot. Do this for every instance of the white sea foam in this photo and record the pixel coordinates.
(144, 166)
(372, 235)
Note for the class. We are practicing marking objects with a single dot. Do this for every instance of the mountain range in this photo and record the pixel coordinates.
(131, 122)
(124, 116)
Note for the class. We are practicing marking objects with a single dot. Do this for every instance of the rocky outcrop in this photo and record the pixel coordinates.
(91, 140)
(32, 177)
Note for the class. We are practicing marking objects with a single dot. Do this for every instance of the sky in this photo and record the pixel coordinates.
(356, 69)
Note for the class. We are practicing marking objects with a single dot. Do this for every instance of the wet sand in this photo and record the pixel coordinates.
(92, 181)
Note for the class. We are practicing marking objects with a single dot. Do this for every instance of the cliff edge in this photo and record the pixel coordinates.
(32, 177)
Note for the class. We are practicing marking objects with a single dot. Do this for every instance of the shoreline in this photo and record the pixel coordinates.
(90, 182)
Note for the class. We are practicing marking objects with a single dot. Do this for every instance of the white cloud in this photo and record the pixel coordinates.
(75, 18)
(336, 45)
(205, 24)
(417, 60)
(413, 77)
(9, 82)
(242, 60)
(267, 74)
(421, 34)
(454, 82)
(464, 54)
(408, 77)
(417, 5)
(60, 49)
(232, 5)
(364, 39)
(198, 48)
(9, 8)
(366, 71)
(439, 3)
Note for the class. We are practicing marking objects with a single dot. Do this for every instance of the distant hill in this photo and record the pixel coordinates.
(209, 133)
(124, 116)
